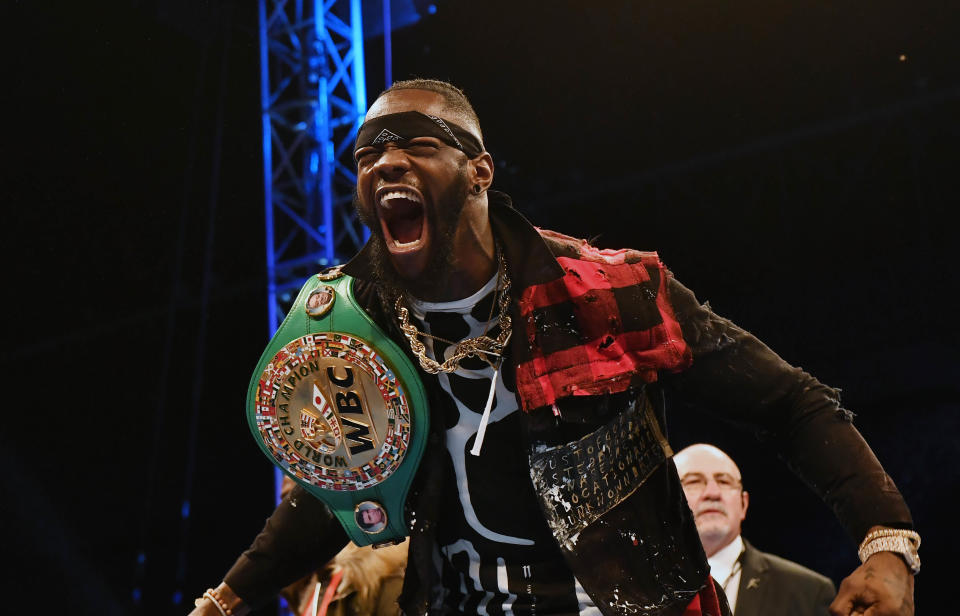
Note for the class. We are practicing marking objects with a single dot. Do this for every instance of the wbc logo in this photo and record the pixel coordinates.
(332, 413)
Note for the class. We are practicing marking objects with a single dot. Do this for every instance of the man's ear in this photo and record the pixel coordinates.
(745, 499)
(481, 170)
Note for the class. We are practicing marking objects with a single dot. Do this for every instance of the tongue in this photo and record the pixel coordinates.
(406, 230)
(405, 221)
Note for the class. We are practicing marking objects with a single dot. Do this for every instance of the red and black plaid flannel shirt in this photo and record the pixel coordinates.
(605, 325)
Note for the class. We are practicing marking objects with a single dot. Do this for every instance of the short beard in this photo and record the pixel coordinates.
(444, 219)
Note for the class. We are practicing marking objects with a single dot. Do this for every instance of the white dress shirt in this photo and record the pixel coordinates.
(725, 568)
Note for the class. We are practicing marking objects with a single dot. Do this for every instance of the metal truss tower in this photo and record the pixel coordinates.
(313, 97)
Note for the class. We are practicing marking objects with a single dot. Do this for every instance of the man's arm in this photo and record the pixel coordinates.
(220, 601)
(737, 375)
(300, 536)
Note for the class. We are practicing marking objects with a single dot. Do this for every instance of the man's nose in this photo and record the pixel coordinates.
(392, 163)
(712, 490)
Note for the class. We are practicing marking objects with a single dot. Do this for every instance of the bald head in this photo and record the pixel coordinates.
(714, 489)
(705, 454)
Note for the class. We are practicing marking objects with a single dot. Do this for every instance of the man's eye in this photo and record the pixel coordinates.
(422, 147)
(365, 156)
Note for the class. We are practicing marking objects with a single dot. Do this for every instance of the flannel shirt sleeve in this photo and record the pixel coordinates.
(737, 376)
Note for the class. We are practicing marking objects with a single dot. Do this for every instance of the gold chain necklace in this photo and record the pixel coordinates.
(480, 346)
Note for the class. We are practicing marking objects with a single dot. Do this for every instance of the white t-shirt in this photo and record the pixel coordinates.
(494, 553)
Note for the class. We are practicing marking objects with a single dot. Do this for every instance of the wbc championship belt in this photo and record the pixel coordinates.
(339, 408)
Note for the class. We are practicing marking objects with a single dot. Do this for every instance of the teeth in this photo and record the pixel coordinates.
(406, 245)
(399, 194)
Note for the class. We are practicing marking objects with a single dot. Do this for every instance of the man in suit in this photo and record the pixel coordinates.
(755, 582)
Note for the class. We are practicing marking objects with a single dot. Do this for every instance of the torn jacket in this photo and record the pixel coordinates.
(642, 554)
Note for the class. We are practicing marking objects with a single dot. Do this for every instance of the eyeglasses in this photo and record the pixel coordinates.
(695, 483)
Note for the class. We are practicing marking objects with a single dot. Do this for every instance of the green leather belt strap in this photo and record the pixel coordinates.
(341, 409)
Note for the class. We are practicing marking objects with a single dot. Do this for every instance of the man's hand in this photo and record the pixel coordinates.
(882, 586)
(206, 607)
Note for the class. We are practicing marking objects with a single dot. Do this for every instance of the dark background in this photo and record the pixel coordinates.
(795, 163)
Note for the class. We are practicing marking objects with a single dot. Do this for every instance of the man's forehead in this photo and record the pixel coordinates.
(705, 460)
(424, 101)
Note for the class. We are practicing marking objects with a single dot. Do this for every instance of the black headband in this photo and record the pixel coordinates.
(399, 127)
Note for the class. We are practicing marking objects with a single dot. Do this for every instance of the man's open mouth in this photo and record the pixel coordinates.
(402, 218)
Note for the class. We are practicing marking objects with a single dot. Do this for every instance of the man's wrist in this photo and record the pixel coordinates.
(226, 602)
(902, 542)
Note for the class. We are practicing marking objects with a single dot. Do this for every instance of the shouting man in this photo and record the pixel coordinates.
(547, 486)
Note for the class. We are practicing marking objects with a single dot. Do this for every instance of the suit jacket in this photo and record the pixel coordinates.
(774, 586)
